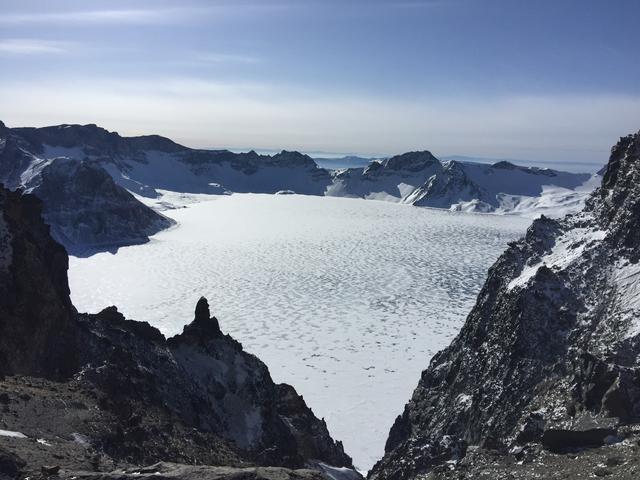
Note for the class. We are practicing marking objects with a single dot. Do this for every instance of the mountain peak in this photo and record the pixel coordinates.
(203, 328)
(623, 161)
(618, 200)
(290, 158)
(504, 164)
(412, 161)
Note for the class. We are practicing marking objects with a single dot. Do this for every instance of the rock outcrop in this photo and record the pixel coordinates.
(548, 359)
(34, 293)
(86, 209)
(130, 396)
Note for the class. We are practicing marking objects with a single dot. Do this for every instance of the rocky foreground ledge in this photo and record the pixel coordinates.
(543, 380)
(100, 396)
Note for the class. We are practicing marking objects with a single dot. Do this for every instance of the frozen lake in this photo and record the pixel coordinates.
(347, 300)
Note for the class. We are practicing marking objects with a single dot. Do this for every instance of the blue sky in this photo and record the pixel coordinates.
(543, 80)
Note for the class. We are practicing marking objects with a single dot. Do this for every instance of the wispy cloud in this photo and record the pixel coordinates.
(219, 58)
(128, 16)
(32, 46)
(140, 16)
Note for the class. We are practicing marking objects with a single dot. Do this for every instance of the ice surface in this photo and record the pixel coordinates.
(9, 433)
(345, 299)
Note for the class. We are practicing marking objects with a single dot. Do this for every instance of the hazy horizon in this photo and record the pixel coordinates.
(551, 83)
(575, 166)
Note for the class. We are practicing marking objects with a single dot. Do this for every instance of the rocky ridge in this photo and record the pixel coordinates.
(86, 209)
(149, 163)
(547, 362)
(100, 393)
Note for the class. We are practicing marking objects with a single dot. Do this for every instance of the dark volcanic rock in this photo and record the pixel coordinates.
(131, 395)
(550, 353)
(162, 471)
(36, 316)
(10, 465)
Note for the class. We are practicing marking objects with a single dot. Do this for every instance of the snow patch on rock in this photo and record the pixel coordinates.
(568, 248)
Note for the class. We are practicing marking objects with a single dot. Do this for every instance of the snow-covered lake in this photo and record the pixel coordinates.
(345, 299)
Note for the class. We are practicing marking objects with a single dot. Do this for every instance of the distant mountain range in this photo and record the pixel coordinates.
(420, 179)
(580, 167)
(355, 161)
(86, 175)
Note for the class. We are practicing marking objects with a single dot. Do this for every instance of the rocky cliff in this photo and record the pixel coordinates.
(548, 360)
(86, 209)
(34, 293)
(100, 393)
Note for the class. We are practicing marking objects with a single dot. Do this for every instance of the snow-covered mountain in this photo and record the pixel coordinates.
(82, 173)
(420, 179)
(86, 209)
(548, 361)
(144, 164)
(147, 164)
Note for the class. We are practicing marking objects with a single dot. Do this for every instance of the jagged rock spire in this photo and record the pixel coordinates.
(202, 310)
(204, 325)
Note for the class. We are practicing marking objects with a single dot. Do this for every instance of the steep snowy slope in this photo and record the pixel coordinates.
(548, 359)
(86, 209)
(392, 179)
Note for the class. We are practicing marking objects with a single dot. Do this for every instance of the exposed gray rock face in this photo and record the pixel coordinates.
(135, 397)
(86, 209)
(89, 212)
(549, 357)
(34, 294)
(161, 471)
